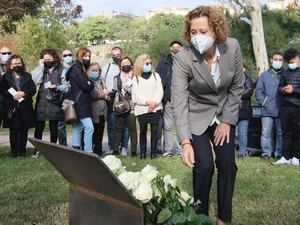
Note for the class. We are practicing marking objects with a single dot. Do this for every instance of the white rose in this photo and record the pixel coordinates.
(168, 180)
(143, 192)
(113, 163)
(186, 197)
(129, 179)
(148, 173)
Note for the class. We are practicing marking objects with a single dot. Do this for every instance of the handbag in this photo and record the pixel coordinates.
(122, 106)
(55, 97)
(68, 106)
(69, 110)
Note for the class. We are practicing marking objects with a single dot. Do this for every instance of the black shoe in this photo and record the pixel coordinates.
(143, 156)
(14, 155)
(133, 154)
(152, 156)
(115, 153)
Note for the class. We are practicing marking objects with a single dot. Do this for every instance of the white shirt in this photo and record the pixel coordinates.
(108, 74)
(144, 90)
(215, 72)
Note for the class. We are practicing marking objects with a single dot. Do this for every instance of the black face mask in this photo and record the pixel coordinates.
(126, 68)
(86, 63)
(116, 59)
(18, 69)
(48, 64)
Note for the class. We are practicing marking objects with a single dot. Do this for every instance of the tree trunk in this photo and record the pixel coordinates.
(258, 39)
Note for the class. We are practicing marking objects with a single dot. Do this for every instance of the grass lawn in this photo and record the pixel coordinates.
(32, 192)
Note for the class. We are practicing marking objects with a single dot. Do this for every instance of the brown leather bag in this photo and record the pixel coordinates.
(68, 107)
(70, 113)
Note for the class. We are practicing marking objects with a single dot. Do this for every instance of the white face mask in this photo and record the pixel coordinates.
(202, 42)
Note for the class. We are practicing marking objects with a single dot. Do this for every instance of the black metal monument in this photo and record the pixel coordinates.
(96, 195)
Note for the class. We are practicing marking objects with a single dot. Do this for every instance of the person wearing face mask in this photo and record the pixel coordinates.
(80, 93)
(47, 75)
(5, 55)
(123, 85)
(67, 61)
(207, 85)
(289, 89)
(164, 69)
(268, 98)
(109, 71)
(147, 94)
(98, 95)
(19, 110)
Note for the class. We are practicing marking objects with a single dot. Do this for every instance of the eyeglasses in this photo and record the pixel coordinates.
(6, 53)
(67, 55)
(147, 63)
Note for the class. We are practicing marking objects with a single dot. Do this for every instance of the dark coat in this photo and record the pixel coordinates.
(46, 110)
(164, 69)
(81, 86)
(245, 109)
(291, 77)
(23, 116)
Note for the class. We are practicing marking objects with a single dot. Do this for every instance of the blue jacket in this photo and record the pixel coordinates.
(267, 94)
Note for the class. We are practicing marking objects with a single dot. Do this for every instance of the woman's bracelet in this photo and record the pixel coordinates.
(186, 143)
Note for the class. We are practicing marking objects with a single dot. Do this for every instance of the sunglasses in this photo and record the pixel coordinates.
(6, 53)
(147, 63)
(67, 55)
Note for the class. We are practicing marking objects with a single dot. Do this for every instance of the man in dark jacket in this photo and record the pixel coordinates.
(289, 89)
(164, 69)
(268, 97)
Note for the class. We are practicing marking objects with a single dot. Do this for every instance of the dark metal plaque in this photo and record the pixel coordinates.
(96, 194)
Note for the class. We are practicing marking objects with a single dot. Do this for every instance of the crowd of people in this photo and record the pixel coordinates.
(202, 89)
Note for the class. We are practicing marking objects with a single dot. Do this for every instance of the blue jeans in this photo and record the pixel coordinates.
(86, 125)
(111, 130)
(266, 139)
(242, 130)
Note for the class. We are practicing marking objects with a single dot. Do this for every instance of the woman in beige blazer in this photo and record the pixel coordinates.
(207, 85)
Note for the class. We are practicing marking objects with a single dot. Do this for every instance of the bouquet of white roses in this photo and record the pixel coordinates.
(162, 200)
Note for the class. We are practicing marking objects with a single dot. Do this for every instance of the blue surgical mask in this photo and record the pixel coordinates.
(5, 58)
(68, 59)
(94, 75)
(292, 66)
(277, 65)
(147, 68)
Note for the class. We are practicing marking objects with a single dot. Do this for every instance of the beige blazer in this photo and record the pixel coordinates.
(194, 95)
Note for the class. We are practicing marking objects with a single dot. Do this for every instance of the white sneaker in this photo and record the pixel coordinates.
(108, 151)
(295, 161)
(124, 151)
(36, 155)
(282, 161)
(167, 154)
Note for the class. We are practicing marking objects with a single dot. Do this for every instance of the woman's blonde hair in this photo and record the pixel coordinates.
(215, 20)
(138, 65)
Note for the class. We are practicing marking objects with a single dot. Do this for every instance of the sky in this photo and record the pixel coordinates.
(137, 7)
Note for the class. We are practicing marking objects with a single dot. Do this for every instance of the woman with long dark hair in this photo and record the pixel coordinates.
(80, 93)
(52, 87)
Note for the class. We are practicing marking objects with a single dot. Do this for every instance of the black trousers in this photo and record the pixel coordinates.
(130, 120)
(98, 135)
(40, 126)
(18, 141)
(143, 138)
(204, 168)
(290, 121)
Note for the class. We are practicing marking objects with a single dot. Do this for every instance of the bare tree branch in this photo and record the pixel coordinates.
(11, 8)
